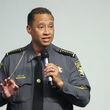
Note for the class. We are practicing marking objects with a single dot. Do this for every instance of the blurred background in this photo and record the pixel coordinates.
(82, 26)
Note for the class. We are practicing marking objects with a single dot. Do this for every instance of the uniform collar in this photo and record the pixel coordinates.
(31, 53)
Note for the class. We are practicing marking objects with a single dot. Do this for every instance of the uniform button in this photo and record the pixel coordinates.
(38, 80)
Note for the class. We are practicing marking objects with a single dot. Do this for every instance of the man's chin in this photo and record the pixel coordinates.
(42, 45)
(46, 44)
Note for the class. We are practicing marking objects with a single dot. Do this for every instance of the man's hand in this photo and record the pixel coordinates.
(53, 71)
(9, 87)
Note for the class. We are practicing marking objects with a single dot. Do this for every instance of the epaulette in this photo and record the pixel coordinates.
(65, 52)
(15, 51)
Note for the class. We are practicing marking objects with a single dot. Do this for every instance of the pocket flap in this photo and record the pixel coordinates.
(23, 80)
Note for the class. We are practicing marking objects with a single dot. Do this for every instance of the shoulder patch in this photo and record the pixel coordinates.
(79, 68)
(15, 51)
(65, 52)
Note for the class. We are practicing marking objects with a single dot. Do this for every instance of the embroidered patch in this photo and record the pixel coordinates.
(79, 67)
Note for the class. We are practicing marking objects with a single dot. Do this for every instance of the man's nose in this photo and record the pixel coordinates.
(46, 31)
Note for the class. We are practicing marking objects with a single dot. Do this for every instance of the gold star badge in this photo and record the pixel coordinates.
(60, 69)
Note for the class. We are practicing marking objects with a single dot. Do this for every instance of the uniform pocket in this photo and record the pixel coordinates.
(24, 92)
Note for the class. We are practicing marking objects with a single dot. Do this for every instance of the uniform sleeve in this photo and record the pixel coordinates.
(77, 89)
(3, 75)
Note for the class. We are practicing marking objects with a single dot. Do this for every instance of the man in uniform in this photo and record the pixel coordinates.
(42, 76)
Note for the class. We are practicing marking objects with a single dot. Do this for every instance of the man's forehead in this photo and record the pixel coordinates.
(43, 17)
(45, 22)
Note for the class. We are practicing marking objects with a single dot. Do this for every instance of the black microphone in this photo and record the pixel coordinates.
(45, 56)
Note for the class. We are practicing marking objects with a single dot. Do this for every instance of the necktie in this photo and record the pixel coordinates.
(38, 86)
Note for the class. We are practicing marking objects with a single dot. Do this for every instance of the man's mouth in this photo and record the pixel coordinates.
(46, 39)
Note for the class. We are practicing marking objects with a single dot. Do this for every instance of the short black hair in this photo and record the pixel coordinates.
(39, 10)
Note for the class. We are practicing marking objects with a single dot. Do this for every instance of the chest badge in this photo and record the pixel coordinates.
(60, 69)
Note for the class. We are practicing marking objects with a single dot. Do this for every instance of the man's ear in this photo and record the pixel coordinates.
(28, 29)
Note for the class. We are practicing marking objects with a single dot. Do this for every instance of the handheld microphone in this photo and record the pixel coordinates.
(45, 56)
